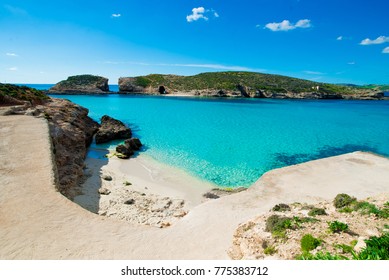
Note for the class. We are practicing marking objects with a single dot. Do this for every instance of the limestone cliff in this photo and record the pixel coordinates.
(81, 84)
(242, 84)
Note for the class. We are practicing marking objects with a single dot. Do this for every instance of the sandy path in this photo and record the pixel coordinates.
(36, 222)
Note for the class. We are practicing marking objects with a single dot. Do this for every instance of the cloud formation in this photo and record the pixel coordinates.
(116, 15)
(386, 50)
(340, 38)
(200, 13)
(13, 69)
(379, 40)
(286, 25)
(11, 54)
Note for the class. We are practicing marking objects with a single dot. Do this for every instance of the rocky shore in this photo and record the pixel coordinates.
(81, 84)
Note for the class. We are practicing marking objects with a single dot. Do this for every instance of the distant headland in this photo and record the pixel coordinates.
(219, 84)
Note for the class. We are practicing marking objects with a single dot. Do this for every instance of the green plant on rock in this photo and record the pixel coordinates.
(336, 226)
(277, 225)
(342, 200)
(308, 243)
(321, 256)
(377, 248)
(317, 212)
(271, 250)
(282, 207)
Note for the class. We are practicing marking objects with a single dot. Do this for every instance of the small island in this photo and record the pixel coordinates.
(81, 84)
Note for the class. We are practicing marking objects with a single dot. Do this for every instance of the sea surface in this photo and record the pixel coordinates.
(232, 142)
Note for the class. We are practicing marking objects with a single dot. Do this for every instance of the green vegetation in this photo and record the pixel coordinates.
(231, 81)
(22, 93)
(342, 200)
(367, 208)
(337, 226)
(308, 243)
(317, 212)
(80, 80)
(126, 183)
(377, 248)
(281, 207)
(277, 225)
(271, 250)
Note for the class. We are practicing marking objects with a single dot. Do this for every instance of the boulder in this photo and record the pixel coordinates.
(133, 143)
(112, 129)
(124, 152)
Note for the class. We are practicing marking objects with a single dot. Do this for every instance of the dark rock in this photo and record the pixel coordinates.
(162, 90)
(112, 129)
(124, 152)
(282, 207)
(106, 177)
(133, 143)
(129, 202)
(211, 195)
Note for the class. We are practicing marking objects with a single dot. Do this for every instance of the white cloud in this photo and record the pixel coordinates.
(313, 72)
(116, 15)
(351, 63)
(379, 40)
(200, 13)
(13, 69)
(286, 25)
(197, 13)
(340, 38)
(11, 54)
(386, 50)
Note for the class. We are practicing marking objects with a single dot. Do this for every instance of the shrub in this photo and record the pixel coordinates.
(277, 225)
(317, 211)
(337, 226)
(342, 200)
(308, 243)
(281, 207)
(377, 248)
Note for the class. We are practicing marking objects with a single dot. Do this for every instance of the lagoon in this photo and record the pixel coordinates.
(232, 142)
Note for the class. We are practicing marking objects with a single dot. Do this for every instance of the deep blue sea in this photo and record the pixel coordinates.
(232, 142)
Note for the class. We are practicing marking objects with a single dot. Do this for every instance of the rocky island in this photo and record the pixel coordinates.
(81, 84)
(242, 84)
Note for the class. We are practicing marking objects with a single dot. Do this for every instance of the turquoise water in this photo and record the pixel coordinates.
(114, 88)
(232, 142)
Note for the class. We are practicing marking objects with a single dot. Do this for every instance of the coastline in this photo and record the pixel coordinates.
(46, 225)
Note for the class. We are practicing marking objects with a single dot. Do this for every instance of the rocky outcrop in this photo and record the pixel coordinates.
(81, 84)
(71, 132)
(128, 85)
(126, 150)
(111, 129)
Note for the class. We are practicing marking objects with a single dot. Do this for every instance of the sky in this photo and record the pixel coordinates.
(335, 41)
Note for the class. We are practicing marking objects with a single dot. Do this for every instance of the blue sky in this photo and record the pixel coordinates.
(326, 40)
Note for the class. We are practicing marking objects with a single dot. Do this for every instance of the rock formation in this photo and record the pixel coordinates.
(71, 131)
(111, 129)
(81, 84)
(127, 150)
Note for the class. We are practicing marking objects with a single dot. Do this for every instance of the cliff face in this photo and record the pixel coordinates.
(242, 84)
(71, 130)
(81, 84)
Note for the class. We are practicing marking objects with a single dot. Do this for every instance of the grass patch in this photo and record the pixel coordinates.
(317, 212)
(308, 243)
(321, 256)
(282, 207)
(377, 248)
(271, 250)
(343, 200)
(336, 227)
(277, 225)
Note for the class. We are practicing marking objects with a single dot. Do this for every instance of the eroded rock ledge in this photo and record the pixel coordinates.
(81, 84)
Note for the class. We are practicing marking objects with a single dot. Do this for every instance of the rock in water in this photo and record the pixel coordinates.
(112, 129)
(81, 84)
(133, 143)
(124, 152)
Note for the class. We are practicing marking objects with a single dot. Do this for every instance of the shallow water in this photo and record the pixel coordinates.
(232, 142)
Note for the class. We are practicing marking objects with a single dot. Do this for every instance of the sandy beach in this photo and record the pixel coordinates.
(37, 222)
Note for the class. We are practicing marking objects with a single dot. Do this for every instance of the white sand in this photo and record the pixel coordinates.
(36, 222)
